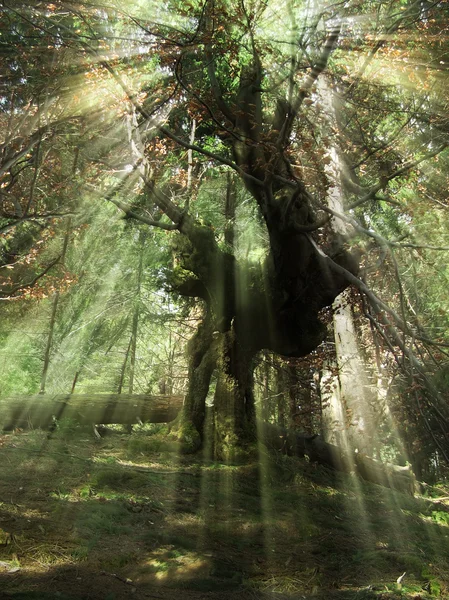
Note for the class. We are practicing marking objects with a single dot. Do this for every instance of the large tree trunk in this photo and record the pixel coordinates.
(352, 376)
(202, 357)
(234, 411)
(42, 410)
(212, 352)
(347, 415)
(249, 308)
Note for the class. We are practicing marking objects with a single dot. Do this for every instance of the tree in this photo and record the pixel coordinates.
(201, 90)
(35, 160)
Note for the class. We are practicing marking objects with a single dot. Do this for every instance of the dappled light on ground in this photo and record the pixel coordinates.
(88, 513)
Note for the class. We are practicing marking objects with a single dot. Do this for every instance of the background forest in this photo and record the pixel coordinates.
(242, 203)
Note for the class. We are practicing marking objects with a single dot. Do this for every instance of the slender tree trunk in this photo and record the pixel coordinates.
(123, 369)
(54, 308)
(136, 311)
(48, 346)
(75, 379)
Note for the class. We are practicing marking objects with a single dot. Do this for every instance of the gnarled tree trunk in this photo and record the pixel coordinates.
(202, 359)
(234, 411)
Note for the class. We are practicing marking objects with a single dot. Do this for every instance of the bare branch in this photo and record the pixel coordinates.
(130, 214)
(17, 288)
(291, 111)
(16, 220)
(404, 169)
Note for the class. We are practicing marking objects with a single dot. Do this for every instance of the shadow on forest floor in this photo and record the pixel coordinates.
(120, 518)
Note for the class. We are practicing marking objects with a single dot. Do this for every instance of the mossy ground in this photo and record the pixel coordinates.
(125, 517)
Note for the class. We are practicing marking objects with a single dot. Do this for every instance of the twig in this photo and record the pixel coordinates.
(129, 582)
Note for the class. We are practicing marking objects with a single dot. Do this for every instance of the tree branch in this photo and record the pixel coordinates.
(404, 169)
(17, 288)
(291, 111)
(130, 214)
(16, 220)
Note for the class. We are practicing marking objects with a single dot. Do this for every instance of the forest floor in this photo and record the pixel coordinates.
(121, 518)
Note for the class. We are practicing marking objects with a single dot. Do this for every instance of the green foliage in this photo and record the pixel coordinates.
(440, 517)
(67, 428)
(93, 321)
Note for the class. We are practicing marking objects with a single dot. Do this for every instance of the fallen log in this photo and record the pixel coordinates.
(42, 410)
(317, 450)
(393, 476)
(128, 409)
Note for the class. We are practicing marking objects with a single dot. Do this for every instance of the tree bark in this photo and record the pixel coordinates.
(354, 384)
(348, 417)
(333, 422)
(201, 352)
(41, 410)
(234, 410)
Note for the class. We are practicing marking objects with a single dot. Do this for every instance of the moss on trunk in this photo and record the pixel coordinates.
(234, 411)
(202, 359)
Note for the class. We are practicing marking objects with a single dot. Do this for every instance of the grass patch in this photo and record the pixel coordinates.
(99, 518)
(118, 477)
(440, 517)
(144, 445)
